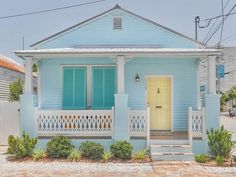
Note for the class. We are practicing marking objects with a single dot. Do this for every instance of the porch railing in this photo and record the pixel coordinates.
(139, 123)
(196, 124)
(75, 122)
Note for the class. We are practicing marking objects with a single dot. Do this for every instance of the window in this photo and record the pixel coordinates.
(103, 87)
(117, 23)
(74, 88)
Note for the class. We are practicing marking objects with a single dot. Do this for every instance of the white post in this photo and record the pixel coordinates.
(198, 85)
(190, 126)
(148, 126)
(121, 73)
(211, 75)
(28, 76)
(203, 123)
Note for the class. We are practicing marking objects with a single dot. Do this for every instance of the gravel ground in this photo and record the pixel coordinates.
(80, 169)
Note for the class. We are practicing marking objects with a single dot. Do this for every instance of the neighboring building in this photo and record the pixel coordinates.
(229, 62)
(119, 76)
(10, 71)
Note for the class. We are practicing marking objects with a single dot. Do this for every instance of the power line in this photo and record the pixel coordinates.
(208, 33)
(50, 10)
(216, 29)
(223, 21)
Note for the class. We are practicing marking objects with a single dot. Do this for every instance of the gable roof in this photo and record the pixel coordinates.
(8, 63)
(108, 11)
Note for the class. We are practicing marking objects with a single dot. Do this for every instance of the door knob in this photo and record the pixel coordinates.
(158, 106)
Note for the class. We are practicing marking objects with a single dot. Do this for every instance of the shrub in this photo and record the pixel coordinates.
(234, 158)
(219, 160)
(16, 88)
(121, 149)
(140, 154)
(39, 154)
(202, 158)
(21, 147)
(91, 150)
(74, 155)
(59, 147)
(220, 142)
(106, 156)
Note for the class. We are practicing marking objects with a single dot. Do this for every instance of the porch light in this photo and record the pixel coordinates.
(137, 78)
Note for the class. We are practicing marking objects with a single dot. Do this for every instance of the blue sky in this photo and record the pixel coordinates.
(176, 14)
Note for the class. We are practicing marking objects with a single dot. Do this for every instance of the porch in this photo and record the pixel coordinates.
(100, 124)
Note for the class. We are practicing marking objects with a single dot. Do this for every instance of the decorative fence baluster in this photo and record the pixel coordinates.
(75, 123)
(138, 123)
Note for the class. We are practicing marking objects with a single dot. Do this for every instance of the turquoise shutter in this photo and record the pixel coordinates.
(80, 88)
(109, 87)
(103, 87)
(68, 88)
(97, 88)
(74, 88)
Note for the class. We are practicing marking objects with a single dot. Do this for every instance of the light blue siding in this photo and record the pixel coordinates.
(183, 71)
(135, 31)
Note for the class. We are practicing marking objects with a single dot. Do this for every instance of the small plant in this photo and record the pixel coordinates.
(21, 147)
(59, 147)
(39, 154)
(219, 160)
(140, 154)
(122, 149)
(74, 155)
(91, 150)
(106, 156)
(220, 142)
(202, 158)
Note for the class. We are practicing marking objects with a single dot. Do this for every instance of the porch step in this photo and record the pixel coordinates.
(169, 156)
(168, 142)
(171, 148)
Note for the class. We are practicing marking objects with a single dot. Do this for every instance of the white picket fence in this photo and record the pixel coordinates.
(9, 120)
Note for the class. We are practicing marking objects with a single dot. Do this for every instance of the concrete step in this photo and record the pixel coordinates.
(172, 156)
(170, 148)
(167, 142)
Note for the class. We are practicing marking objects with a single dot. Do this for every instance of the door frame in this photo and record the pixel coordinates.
(171, 96)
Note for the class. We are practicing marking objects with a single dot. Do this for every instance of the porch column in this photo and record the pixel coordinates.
(120, 74)
(211, 80)
(28, 76)
(28, 102)
(198, 84)
(121, 121)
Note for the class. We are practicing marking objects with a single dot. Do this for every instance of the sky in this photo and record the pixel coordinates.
(175, 14)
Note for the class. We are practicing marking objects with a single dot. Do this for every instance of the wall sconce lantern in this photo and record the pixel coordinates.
(137, 78)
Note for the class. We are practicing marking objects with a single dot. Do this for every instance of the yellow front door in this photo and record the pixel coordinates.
(159, 100)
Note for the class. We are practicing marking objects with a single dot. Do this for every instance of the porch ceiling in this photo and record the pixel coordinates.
(131, 52)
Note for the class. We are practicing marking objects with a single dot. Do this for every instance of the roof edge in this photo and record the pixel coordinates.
(110, 10)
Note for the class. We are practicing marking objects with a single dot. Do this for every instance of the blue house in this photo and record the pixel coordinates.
(119, 76)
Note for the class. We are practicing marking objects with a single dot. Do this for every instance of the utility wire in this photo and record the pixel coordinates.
(208, 33)
(223, 21)
(216, 29)
(50, 10)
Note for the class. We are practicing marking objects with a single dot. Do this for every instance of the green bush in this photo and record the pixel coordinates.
(219, 160)
(91, 150)
(106, 156)
(122, 149)
(21, 147)
(220, 142)
(202, 158)
(140, 154)
(39, 154)
(59, 147)
(74, 155)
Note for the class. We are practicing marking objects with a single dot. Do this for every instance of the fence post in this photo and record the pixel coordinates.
(203, 123)
(190, 126)
(148, 126)
(113, 122)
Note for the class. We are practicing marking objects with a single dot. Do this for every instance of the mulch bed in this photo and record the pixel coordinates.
(147, 159)
(212, 163)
